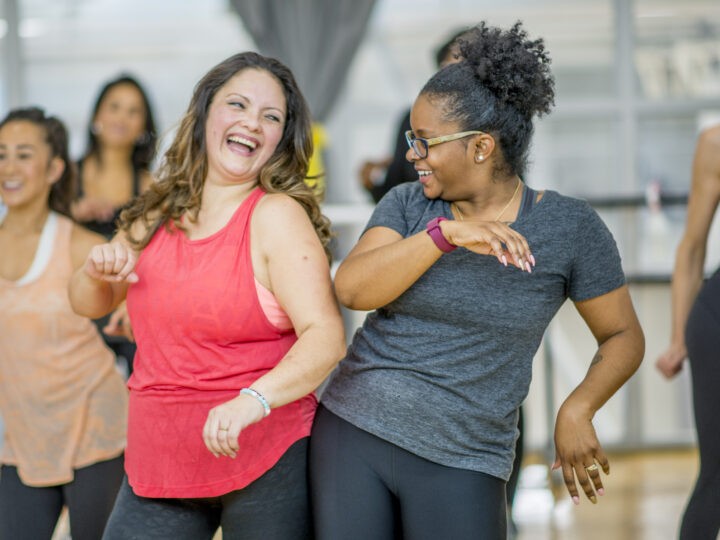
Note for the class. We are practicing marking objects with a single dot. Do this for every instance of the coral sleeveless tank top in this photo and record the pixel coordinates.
(201, 336)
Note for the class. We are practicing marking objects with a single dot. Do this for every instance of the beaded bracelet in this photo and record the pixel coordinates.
(257, 395)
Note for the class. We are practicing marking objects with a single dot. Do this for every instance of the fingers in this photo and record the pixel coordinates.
(119, 324)
(112, 328)
(494, 238)
(112, 262)
(221, 436)
(587, 474)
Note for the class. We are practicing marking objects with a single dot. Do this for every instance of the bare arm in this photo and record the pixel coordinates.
(288, 258)
(383, 264)
(298, 274)
(621, 346)
(100, 284)
(690, 255)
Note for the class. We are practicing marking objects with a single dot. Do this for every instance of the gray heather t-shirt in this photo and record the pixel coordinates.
(442, 370)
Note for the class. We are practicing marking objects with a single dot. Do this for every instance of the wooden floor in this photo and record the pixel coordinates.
(644, 498)
(645, 495)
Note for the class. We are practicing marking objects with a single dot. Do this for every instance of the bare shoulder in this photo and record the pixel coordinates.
(278, 208)
(82, 241)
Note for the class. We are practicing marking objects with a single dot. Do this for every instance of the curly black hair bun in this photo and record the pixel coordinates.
(515, 69)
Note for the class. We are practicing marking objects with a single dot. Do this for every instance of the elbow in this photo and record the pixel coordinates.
(347, 292)
(637, 347)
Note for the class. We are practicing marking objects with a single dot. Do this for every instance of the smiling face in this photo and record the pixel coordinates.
(444, 172)
(244, 125)
(121, 116)
(27, 169)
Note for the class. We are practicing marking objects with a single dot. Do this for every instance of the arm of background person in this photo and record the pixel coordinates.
(621, 345)
(690, 255)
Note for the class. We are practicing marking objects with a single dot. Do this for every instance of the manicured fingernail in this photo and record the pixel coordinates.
(601, 492)
(527, 265)
(593, 499)
(504, 260)
(576, 500)
(532, 259)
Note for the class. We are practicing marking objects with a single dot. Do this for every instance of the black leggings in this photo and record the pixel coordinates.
(273, 507)
(31, 513)
(365, 487)
(702, 336)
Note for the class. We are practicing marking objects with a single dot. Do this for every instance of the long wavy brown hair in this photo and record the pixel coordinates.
(181, 176)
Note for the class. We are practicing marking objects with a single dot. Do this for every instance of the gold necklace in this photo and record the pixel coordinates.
(517, 188)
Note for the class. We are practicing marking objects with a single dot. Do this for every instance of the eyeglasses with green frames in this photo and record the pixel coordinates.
(421, 146)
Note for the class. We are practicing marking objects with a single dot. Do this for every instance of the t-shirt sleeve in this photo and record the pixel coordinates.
(597, 268)
(390, 212)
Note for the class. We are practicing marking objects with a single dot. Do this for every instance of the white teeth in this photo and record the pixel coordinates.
(243, 140)
(424, 173)
(10, 184)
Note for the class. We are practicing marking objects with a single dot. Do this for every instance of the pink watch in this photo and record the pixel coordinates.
(433, 229)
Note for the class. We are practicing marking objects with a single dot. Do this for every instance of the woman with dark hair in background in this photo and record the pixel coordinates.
(416, 430)
(380, 176)
(62, 400)
(224, 263)
(122, 141)
(121, 146)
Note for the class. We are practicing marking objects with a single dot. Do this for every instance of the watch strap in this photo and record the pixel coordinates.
(433, 229)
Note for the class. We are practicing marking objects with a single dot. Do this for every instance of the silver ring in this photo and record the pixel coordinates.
(592, 468)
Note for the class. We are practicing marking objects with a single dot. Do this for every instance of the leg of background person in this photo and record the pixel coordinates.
(447, 502)
(702, 515)
(90, 497)
(348, 468)
(27, 513)
(275, 506)
(142, 518)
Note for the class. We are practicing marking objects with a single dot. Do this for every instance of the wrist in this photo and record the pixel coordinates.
(259, 398)
(435, 232)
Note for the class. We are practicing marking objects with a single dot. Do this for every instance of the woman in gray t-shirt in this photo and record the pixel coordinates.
(463, 271)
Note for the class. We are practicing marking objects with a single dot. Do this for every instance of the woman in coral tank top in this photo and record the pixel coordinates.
(224, 265)
(63, 403)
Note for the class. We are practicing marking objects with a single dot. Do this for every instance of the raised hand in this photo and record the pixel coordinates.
(113, 262)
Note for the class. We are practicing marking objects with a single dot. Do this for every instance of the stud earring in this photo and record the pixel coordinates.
(479, 158)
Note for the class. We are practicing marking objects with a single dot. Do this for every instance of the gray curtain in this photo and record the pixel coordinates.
(316, 39)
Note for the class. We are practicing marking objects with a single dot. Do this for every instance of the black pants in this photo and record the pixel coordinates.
(31, 513)
(365, 487)
(274, 507)
(702, 335)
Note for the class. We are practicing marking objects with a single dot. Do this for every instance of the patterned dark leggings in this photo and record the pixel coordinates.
(31, 513)
(702, 335)
(274, 507)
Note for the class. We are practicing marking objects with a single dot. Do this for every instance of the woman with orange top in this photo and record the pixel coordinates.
(61, 398)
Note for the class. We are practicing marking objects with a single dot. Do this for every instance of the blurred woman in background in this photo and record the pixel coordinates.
(61, 398)
(122, 141)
